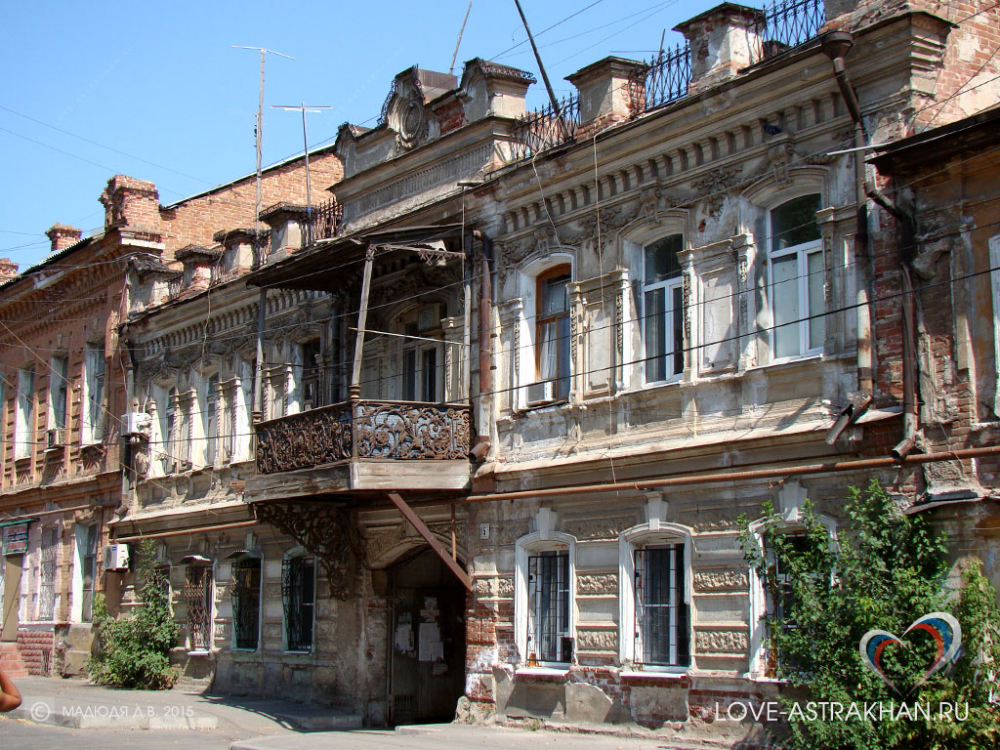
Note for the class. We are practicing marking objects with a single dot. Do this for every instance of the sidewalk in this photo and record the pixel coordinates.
(257, 724)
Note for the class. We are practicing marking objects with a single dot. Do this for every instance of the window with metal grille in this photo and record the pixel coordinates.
(198, 597)
(779, 601)
(246, 602)
(549, 638)
(47, 575)
(298, 593)
(661, 614)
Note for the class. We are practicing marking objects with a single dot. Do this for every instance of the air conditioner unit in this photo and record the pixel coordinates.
(541, 393)
(116, 557)
(57, 438)
(135, 423)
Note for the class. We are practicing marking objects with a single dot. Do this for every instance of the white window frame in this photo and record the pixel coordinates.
(669, 286)
(790, 499)
(527, 373)
(655, 532)
(24, 414)
(92, 418)
(530, 544)
(801, 252)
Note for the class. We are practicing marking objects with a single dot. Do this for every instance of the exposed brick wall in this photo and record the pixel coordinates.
(36, 648)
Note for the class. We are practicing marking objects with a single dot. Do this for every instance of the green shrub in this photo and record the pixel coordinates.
(886, 570)
(134, 650)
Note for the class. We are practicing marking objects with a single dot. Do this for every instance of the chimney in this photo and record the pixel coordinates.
(129, 202)
(8, 269)
(605, 89)
(62, 236)
(721, 40)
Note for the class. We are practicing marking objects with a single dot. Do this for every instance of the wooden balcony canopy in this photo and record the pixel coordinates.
(325, 264)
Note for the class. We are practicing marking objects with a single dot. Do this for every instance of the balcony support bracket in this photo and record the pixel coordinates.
(411, 515)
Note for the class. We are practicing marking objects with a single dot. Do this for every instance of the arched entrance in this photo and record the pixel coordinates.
(426, 640)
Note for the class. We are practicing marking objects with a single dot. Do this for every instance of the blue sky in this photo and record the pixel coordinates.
(155, 91)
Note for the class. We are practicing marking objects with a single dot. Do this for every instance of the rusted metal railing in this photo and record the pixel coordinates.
(535, 132)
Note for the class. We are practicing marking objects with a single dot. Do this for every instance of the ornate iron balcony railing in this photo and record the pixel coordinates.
(363, 430)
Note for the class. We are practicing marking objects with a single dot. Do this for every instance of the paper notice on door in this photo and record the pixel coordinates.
(431, 647)
(404, 638)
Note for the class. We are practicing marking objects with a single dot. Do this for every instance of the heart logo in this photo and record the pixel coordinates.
(941, 626)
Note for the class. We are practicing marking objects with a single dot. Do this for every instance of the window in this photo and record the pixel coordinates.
(246, 602)
(198, 597)
(654, 568)
(796, 278)
(994, 247)
(24, 425)
(420, 373)
(663, 309)
(93, 397)
(308, 376)
(549, 638)
(47, 574)
(84, 572)
(209, 423)
(170, 433)
(298, 594)
(552, 329)
(779, 599)
(58, 391)
(543, 594)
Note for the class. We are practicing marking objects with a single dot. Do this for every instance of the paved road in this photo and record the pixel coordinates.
(22, 735)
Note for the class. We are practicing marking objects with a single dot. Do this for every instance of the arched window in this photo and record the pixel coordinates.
(544, 583)
(655, 594)
(552, 329)
(663, 309)
(796, 278)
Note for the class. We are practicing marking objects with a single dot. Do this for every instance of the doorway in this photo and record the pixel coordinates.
(11, 578)
(426, 640)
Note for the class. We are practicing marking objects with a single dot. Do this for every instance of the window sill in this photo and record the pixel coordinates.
(199, 652)
(542, 671)
(653, 675)
(766, 680)
(297, 653)
(788, 362)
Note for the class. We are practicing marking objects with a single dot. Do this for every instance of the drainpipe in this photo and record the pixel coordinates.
(482, 446)
(836, 45)
(911, 419)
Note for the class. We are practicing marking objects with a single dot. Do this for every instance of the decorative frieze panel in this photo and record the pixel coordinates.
(599, 528)
(597, 584)
(597, 640)
(495, 588)
(722, 641)
(721, 580)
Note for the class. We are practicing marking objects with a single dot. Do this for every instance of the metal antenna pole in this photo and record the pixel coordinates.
(538, 59)
(305, 146)
(258, 411)
(458, 44)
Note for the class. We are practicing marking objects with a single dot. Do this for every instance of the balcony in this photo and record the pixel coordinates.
(368, 445)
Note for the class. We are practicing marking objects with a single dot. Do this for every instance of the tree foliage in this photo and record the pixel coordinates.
(885, 571)
(134, 650)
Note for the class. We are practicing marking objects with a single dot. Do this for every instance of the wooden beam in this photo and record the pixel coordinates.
(359, 344)
(411, 515)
